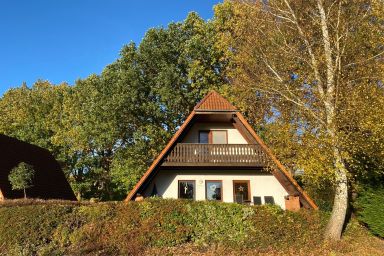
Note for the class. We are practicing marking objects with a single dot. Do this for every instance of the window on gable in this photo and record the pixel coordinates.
(204, 137)
(219, 137)
(187, 189)
(257, 200)
(213, 190)
(241, 191)
(213, 137)
(269, 200)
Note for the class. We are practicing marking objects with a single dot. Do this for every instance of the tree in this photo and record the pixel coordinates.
(34, 115)
(303, 63)
(106, 129)
(115, 123)
(21, 177)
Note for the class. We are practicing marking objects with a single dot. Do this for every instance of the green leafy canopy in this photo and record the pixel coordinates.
(21, 177)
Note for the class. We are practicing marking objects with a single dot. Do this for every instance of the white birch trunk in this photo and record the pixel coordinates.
(340, 204)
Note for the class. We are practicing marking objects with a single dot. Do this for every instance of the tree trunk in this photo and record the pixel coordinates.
(25, 194)
(340, 205)
(78, 196)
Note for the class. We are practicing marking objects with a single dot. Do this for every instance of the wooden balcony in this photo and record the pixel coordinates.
(194, 154)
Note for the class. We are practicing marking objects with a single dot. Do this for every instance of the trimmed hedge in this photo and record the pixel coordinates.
(131, 228)
(370, 209)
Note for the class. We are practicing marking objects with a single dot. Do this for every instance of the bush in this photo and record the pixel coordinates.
(370, 209)
(154, 226)
(25, 230)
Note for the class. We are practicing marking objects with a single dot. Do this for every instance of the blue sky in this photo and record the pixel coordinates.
(63, 40)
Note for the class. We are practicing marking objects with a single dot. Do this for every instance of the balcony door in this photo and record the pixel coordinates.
(213, 137)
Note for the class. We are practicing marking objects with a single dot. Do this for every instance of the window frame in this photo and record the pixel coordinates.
(194, 189)
(260, 201)
(269, 197)
(249, 189)
(221, 191)
(210, 135)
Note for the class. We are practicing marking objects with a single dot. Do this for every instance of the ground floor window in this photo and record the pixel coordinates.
(269, 200)
(187, 189)
(241, 191)
(257, 200)
(214, 190)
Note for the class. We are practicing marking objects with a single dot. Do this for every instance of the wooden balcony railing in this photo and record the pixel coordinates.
(194, 154)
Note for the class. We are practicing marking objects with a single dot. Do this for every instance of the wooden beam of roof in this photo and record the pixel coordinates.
(243, 130)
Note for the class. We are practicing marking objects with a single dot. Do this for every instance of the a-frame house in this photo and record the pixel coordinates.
(216, 155)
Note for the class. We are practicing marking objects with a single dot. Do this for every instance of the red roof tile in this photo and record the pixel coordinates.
(214, 102)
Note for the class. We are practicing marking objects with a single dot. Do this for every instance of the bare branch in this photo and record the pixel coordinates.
(297, 103)
(282, 17)
(363, 61)
(310, 51)
(273, 71)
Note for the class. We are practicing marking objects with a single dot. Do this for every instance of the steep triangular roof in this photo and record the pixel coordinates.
(49, 181)
(215, 102)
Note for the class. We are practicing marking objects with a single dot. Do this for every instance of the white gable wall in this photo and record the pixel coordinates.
(261, 184)
(234, 136)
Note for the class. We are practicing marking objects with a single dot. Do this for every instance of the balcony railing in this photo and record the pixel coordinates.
(194, 154)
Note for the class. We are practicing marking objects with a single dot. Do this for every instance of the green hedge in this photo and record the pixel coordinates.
(130, 228)
(370, 209)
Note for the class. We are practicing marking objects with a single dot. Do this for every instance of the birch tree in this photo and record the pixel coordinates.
(305, 62)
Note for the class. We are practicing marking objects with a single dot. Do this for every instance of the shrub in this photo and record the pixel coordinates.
(370, 209)
(56, 228)
(25, 230)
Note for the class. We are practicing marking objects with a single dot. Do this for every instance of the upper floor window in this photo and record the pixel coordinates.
(204, 137)
(213, 137)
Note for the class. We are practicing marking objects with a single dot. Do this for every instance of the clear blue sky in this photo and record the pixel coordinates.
(63, 40)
